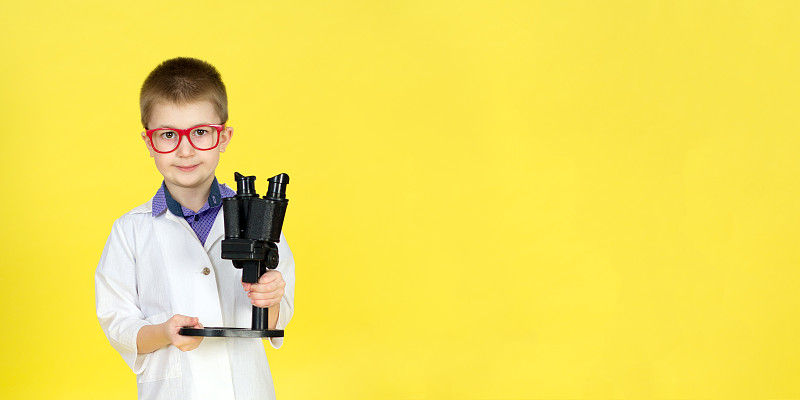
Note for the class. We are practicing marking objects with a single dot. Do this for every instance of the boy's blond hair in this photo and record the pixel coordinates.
(183, 80)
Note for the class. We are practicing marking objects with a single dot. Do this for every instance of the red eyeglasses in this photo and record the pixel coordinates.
(201, 137)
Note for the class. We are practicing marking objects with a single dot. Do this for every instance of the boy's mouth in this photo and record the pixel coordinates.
(187, 168)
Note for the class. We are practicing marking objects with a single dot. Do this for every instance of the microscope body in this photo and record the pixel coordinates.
(252, 232)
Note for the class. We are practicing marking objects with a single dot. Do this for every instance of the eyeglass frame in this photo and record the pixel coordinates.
(181, 134)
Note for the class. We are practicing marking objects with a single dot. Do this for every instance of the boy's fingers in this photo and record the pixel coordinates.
(265, 295)
(259, 287)
(265, 303)
(269, 276)
(267, 287)
(182, 320)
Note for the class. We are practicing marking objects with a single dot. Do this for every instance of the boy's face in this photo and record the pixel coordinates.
(187, 167)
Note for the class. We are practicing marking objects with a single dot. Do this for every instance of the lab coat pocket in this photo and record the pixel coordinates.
(164, 363)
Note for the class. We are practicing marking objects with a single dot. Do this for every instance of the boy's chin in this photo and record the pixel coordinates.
(190, 182)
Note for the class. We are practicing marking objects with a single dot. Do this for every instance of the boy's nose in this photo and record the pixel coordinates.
(185, 148)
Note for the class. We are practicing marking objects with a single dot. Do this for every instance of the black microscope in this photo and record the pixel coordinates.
(252, 232)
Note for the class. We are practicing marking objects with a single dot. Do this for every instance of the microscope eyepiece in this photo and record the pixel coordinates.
(245, 185)
(277, 187)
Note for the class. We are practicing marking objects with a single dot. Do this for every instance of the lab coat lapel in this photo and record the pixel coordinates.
(217, 231)
(185, 260)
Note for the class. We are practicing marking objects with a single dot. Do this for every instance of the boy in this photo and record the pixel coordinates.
(161, 267)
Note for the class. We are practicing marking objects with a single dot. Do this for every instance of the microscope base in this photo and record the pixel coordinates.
(232, 332)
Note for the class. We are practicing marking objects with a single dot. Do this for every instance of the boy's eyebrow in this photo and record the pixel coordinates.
(172, 127)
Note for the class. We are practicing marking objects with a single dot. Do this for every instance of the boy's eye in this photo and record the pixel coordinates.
(168, 135)
(200, 132)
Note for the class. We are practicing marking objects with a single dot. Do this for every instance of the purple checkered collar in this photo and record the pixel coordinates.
(163, 200)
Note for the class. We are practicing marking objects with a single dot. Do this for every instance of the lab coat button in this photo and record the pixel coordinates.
(206, 271)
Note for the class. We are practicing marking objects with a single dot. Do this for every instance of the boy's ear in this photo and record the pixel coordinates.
(225, 138)
(147, 143)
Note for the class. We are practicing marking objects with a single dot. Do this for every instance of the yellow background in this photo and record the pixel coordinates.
(489, 200)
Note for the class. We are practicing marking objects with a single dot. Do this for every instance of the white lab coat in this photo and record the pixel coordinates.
(151, 269)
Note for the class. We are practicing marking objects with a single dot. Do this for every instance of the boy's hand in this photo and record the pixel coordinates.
(174, 324)
(268, 291)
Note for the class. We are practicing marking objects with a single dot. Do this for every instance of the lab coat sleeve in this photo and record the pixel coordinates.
(286, 268)
(117, 299)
